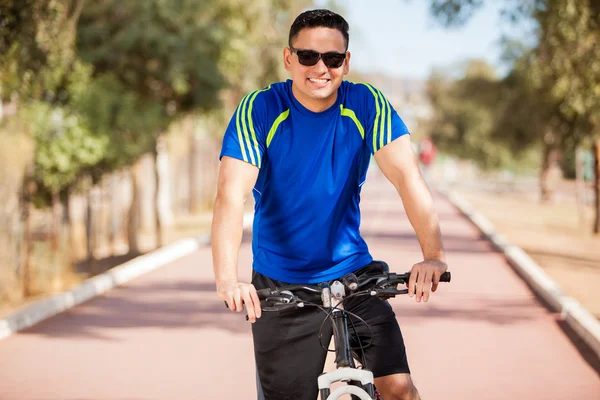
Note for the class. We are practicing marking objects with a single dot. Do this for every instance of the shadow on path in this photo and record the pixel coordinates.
(165, 305)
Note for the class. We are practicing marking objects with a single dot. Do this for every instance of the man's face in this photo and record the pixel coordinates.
(316, 86)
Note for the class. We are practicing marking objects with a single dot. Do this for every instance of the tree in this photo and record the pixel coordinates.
(568, 58)
(563, 67)
(466, 116)
(36, 59)
(162, 57)
(36, 45)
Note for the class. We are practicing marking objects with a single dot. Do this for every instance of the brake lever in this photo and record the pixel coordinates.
(392, 291)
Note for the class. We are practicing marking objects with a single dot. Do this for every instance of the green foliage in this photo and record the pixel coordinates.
(164, 51)
(257, 33)
(567, 62)
(523, 116)
(454, 12)
(64, 145)
(129, 121)
(155, 61)
(36, 49)
(99, 102)
(467, 117)
(551, 98)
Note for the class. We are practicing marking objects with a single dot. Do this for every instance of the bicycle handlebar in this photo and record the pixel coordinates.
(283, 299)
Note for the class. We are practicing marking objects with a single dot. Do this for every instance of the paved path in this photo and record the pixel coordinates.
(166, 336)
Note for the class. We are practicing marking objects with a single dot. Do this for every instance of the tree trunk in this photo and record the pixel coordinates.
(68, 224)
(115, 202)
(580, 187)
(597, 185)
(195, 194)
(28, 190)
(133, 219)
(55, 221)
(545, 190)
(210, 172)
(157, 197)
(112, 221)
(89, 226)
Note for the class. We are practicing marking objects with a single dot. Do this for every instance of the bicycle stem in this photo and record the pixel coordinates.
(333, 297)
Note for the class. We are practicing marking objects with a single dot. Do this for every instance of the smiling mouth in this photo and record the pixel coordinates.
(318, 81)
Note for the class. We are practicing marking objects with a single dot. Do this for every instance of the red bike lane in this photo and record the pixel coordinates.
(165, 335)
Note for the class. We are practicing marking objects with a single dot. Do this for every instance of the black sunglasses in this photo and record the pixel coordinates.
(309, 58)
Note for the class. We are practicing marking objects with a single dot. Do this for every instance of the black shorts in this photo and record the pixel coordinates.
(289, 356)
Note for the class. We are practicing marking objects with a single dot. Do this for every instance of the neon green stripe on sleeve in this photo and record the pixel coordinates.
(245, 127)
(282, 117)
(349, 113)
(238, 112)
(383, 119)
(252, 132)
(376, 123)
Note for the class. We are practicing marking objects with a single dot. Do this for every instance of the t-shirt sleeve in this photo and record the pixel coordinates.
(244, 138)
(383, 124)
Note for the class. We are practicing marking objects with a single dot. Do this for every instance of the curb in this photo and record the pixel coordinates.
(571, 311)
(104, 282)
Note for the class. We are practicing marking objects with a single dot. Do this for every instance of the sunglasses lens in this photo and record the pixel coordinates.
(308, 57)
(333, 60)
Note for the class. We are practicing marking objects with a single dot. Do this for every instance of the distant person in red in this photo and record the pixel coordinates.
(427, 153)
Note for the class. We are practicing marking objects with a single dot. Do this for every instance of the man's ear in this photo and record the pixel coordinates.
(287, 59)
(347, 63)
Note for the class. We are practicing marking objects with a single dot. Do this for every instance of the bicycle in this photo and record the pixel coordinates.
(360, 381)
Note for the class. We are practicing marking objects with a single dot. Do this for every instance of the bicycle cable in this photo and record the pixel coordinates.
(360, 346)
(329, 314)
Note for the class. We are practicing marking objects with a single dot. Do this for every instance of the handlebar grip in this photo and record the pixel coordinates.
(281, 308)
(262, 294)
(445, 277)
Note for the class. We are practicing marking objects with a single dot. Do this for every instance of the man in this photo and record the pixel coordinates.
(427, 154)
(302, 148)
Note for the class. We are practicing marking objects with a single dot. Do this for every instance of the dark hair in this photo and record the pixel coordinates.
(319, 18)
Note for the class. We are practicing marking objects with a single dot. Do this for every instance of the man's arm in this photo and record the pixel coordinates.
(398, 163)
(235, 183)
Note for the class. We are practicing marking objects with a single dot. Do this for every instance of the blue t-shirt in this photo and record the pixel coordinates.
(312, 166)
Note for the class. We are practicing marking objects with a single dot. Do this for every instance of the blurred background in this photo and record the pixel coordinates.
(112, 115)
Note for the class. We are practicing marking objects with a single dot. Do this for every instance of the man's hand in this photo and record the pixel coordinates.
(236, 294)
(424, 275)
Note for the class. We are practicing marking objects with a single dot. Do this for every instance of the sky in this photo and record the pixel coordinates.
(400, 37)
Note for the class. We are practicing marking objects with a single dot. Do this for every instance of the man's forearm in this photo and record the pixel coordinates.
(418, 204)
(226, 237)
